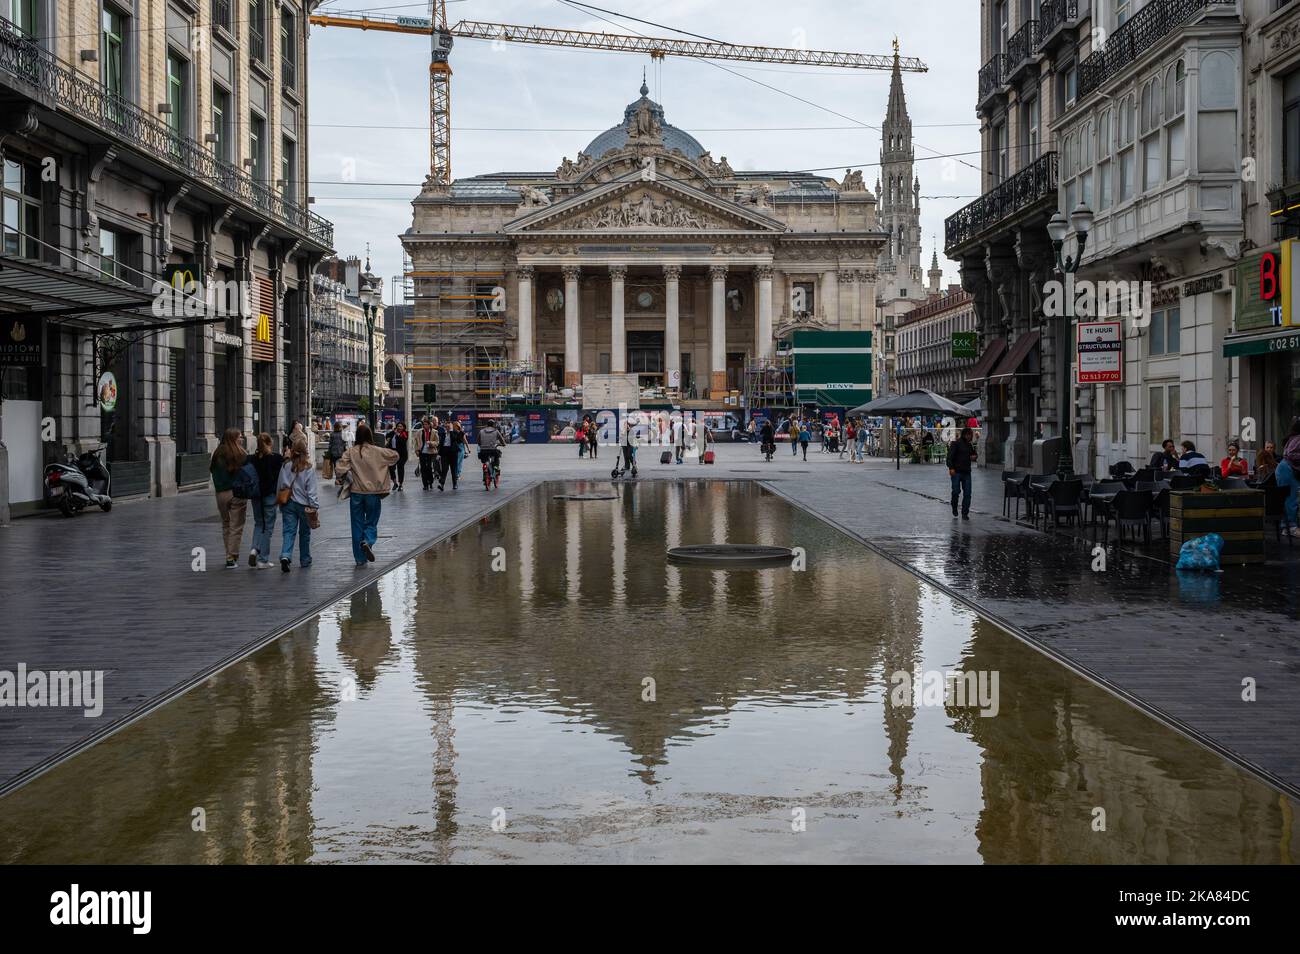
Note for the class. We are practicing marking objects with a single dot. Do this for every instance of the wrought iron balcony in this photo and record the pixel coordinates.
(36, 73)
(991, 74)
(1031, 184)
(1147, 28)
(221, 14)
(1021, 48)
(256, 43)
(1053, 15)
(288, 73)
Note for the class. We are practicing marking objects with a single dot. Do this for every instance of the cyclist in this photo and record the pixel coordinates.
(489, 447)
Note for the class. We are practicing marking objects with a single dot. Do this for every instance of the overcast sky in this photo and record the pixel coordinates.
(521, 107)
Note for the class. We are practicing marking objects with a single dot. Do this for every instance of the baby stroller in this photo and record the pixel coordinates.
(628, 460)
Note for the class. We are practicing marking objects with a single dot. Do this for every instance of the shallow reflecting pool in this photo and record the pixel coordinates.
(546, 687)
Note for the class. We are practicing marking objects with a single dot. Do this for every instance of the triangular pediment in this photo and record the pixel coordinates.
(645, 206)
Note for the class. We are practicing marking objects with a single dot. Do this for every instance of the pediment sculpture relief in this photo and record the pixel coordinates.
(645, 212)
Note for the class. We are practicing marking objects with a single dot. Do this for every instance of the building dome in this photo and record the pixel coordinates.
(616, 136)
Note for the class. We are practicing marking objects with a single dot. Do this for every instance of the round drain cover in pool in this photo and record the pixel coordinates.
(731, 555)
(585, 497)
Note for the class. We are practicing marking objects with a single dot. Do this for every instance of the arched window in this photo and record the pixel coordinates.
(1218, 80)
(1217, 148)
(1175, 91)
(1149, 117)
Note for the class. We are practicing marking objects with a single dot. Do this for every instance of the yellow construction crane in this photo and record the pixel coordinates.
(436, 27)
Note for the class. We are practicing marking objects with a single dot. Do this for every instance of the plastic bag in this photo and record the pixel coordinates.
(1201, 553)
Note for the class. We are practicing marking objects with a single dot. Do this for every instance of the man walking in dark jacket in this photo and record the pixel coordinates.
(961, 455)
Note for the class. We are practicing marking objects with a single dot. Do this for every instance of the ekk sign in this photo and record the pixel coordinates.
(1101, 352)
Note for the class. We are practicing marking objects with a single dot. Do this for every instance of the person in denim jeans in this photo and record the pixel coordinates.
(961, 455)
(299, 476)
(268, 464)
(367, 468)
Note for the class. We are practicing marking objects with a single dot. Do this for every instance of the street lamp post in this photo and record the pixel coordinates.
(1081, 221)
(370, 310)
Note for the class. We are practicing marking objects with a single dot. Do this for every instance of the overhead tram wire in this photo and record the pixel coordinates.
(834, 168)
(663, 26)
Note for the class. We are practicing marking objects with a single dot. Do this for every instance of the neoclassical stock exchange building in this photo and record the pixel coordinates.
(646, 255)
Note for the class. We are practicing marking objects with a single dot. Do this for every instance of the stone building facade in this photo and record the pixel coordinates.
(644, 255)
(925, 345)
(139, 141)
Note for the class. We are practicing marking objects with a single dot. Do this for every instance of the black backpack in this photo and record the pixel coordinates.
(246, 485)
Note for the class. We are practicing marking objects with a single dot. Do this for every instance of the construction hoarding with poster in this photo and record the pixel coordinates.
(832, 368)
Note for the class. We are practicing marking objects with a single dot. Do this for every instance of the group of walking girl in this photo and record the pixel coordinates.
(443, 447)
(286, 483)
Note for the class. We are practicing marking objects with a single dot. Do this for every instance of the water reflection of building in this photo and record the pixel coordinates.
(239, 747)
(589, 607)
(1060, 748)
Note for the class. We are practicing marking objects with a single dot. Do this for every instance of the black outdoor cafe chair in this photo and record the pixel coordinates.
(1023, 494)
(1184, 482)
(1144, 475)
(1039, 485)
(1160, 510)
(1233, 483)
(1275, 509)
(1010, 491)
(1100, 508)
(1132, 509)
(1121, 470)
(1063, 500)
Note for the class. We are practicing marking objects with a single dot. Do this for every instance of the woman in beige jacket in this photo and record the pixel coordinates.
(364, 467)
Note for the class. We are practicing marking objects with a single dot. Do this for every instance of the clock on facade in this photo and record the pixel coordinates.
(645, 299)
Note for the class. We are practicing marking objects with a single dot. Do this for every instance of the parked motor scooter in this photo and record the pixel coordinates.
(78, 483)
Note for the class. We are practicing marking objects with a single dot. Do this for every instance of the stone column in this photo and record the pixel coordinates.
(848, 310)
(524, 342)
(718, 328)
(764, 344)
(572, 328)
(826, 305)
(617, 328)
(672, 327)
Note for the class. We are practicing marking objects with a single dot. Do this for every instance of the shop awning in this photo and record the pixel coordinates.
(984, 365)
(1010, 365)
(33, 287)
(1273, 341)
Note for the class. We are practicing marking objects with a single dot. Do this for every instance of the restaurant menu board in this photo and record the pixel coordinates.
(1101, 352)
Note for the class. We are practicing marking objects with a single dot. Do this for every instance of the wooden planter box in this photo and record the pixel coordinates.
(1235, 515)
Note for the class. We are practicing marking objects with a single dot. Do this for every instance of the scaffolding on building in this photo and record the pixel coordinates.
(457, 336)
(769, 382)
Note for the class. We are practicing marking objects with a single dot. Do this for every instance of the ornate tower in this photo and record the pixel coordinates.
(935, 274)
(899, 207)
